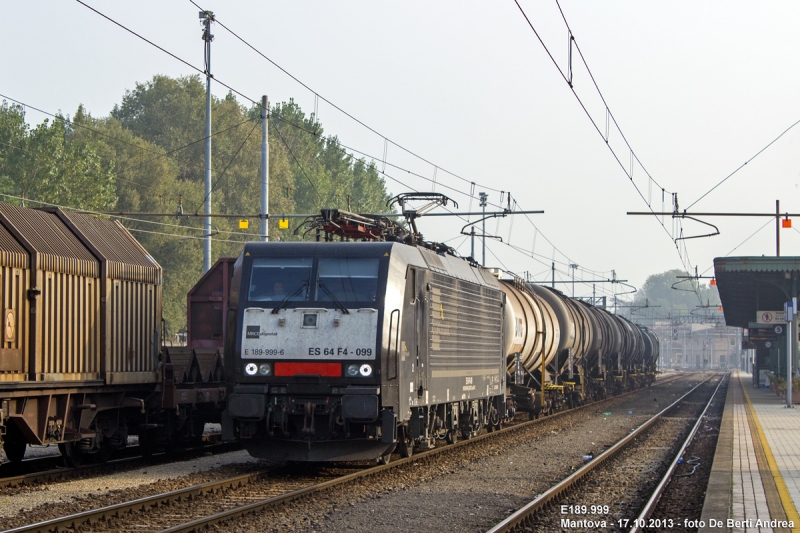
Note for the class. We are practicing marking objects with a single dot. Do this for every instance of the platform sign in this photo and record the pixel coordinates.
(770, 317)
(765, 332)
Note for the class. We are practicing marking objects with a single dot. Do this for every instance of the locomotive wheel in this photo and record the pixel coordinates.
(405, 445)
(451, 437)
(384, 459)
(15, 450)
(72, 455)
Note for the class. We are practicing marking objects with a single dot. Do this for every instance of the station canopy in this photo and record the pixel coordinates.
(748, 285)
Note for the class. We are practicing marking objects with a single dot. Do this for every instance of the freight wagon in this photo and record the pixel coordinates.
(82, 364)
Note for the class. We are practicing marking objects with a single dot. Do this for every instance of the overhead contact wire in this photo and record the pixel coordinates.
(745, 163)
(253, 101)
(410, 152)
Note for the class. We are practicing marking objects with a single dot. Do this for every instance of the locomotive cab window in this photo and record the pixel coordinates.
(348, 279)
(277, 279)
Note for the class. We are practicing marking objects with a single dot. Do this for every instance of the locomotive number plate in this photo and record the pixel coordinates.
(299, 334)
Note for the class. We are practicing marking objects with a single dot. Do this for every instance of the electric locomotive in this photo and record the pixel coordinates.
(344, 351)
(340, 351)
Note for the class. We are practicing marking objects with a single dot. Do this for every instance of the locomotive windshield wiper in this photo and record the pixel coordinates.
(289, 297)
(333, 298)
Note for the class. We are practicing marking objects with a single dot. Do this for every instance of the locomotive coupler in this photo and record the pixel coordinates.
(308, 419)
(268, 420)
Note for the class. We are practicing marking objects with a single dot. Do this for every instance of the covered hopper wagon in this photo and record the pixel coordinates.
(82, 363)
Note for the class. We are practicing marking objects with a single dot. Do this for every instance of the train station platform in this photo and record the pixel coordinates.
(755, 478)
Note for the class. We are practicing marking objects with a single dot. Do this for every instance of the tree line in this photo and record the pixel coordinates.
(147, 155)
(672, 292)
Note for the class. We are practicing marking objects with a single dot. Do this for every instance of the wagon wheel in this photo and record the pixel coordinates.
(494, 420)
(72, 455)
(148, 442)
(384, 459)
(104, 454)
(198, 428)
(451, 437)
(15, 450)
(404, 444)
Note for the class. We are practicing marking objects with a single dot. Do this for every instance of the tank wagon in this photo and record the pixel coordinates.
(82, 364)
(349, 350)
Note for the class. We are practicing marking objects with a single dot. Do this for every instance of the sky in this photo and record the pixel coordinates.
(696, 89)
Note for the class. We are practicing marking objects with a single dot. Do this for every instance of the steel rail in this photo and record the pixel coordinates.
(650, 506)
(516, 518)
(73, 521)
(231, 514)
(238, 512)
(66, 473)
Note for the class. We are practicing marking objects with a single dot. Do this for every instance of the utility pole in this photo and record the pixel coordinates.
(264, 168)
(483, 196)
(573, 266)
(778, 228)
(553, 275)
(207, 17)
(472, 243)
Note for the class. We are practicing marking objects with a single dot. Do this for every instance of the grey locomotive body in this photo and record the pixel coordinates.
(370, 346)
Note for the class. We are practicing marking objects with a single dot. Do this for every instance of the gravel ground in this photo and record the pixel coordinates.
(34, 451)
(685, 494)
(470, 488)
(59, 499)
(49, 450)
(625, 482)
(459, 490)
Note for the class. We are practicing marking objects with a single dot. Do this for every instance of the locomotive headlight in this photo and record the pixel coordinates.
(352, 370)
(365, 370)
(251, 369)
(265, 369)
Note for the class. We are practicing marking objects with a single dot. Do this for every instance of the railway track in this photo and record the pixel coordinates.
(51, 468)
(242, 495)
(583, 497)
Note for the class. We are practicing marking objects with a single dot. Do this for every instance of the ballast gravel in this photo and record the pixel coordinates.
(96, 489)
(467, 489)
(473, 487)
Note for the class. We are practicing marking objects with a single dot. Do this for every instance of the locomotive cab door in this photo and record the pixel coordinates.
(422, 314)
(412, 361)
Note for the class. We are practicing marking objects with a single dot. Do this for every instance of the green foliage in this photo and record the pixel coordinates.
(778, 384)
(52, 162)
(148, 155)
(658, 291)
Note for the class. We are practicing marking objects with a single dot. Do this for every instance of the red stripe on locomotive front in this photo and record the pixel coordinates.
(321, 369)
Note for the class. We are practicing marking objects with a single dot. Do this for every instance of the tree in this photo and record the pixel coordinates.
(684, 298)
(51, 163)
(148, 155)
